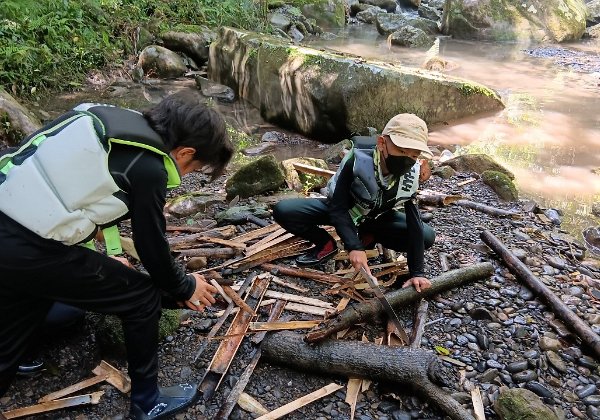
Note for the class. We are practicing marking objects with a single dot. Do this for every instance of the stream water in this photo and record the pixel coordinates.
(548, 135)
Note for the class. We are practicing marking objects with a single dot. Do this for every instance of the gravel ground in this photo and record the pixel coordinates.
(504, 335)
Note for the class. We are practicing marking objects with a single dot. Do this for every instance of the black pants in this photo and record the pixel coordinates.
(302, 217)
(35, 273)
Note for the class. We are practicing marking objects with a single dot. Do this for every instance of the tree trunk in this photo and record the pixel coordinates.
(414, 367)
(366, 311)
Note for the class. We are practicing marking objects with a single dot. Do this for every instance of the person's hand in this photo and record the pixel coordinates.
(122, 260)
(420, 283)
(358, 259)
(204, 294)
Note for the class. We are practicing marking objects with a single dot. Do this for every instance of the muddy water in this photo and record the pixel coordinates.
(549, 133)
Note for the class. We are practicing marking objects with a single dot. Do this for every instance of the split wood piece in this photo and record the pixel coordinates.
(317, 276)
(439, 200)
(468, 181)
(419, 324)
(244, 378)
(251, 405)
(129, 247)
(180, 242)
(220, 253)
(223, 317)
(342, 304)
(279, 326)
(292, 307)
(93, 398)
(342, 256)
(287, 248)
(416, 368)
(224, 242)
(267, 239)
(297, 298)
(492, 211)
(228, 348)
(231, 294)
(520, 270)
(255, 250)
(313, 170)
(366, 311)
(257, 233)
(444, 262)
(289, 285)
(104, 372)
(477, 404)
(371, 268)
(352, 389)
(301, 402)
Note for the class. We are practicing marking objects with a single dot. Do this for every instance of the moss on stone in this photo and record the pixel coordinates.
(501, 184)
(257, 177)
(522, 404)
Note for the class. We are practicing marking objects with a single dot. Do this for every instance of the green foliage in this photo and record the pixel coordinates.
(53, 43)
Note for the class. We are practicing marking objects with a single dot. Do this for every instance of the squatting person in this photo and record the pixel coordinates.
(362, 199)
(88, 170)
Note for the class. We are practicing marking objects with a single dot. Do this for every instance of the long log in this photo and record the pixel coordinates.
(366, 311)
(492, 211)
(416, 368)
(439, 200)
(576, 324)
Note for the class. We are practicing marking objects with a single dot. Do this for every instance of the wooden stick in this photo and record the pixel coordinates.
(289, 285)
(313, 170)
(318, 276)
(267, 239)
(279, 326)
(210, 252)
(352, 389)
(93, 398)
(492, 211)
(73, 388)
(307, 309)
(419, 324)
(468, 181)
(444, 261)
(190, 229)
(371, 253)
(299, 299)
(224, 232)
(576, 324)
(438, 199)
(238, 300)
(301, 402)
(257, 233)
(219, 241)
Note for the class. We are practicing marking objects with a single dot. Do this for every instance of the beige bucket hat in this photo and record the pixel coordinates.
(408, 131)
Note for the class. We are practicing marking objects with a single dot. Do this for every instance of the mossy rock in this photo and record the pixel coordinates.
(257, 177)
(478, 163)
(189, 204)
(501, 184)
(237, 214)
(444, 172)
(109, 331)
(327, 13)
(522, 404)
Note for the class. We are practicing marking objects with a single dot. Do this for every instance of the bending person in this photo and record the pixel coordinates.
(362, 200)
(88, 170)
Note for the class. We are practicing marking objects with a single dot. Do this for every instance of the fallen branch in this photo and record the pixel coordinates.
(438, 200)
(366, 311)
(576, 324)
(492, 211)
(419, 324)
(416, 368)
(313, 170)
(279, 326)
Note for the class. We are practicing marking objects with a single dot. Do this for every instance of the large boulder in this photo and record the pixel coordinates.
(369, 15)
(593, 8)
(411, 37)
(193, 44)
(477, 163)
(522, 404)
(388, 5)
(257, 177)
(501, 184)
(593, 31)
(327, 96)
(515, 20)
(392, 22)
(21, 121)
(327, 13)
(192, 203)
(161, 62)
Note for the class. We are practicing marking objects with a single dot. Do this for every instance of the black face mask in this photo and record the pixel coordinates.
(399, 165)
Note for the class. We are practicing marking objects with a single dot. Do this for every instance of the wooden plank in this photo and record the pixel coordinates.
(225, 242)
(371, 253)
(301, 402)
(315, 275)
(307, 309)
(257, 233)
(477, 404)
(289, 285)
(313, 170)
(93, 398)
(352, 390)
(73, 388)
(342, 305)
(278, 326)
(267, 239)
(299, 299)
(228, 347)
(255, 250)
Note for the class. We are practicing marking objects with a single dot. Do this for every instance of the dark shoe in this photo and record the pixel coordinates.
(30, 367)
(317, 255)
(170, 400)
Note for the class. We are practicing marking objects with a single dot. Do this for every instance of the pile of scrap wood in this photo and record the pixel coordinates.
(344, 301)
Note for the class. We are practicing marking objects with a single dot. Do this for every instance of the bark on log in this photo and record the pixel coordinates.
(438, 200)
(492, 211)
(366, 311)
(576, 324)
(416, 368)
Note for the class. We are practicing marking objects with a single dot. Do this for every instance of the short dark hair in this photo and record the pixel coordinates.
(183, 119)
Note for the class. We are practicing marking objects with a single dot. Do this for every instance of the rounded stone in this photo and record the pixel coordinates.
(539, 389)
(517, 366)
(525, 376)
(586, 391)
